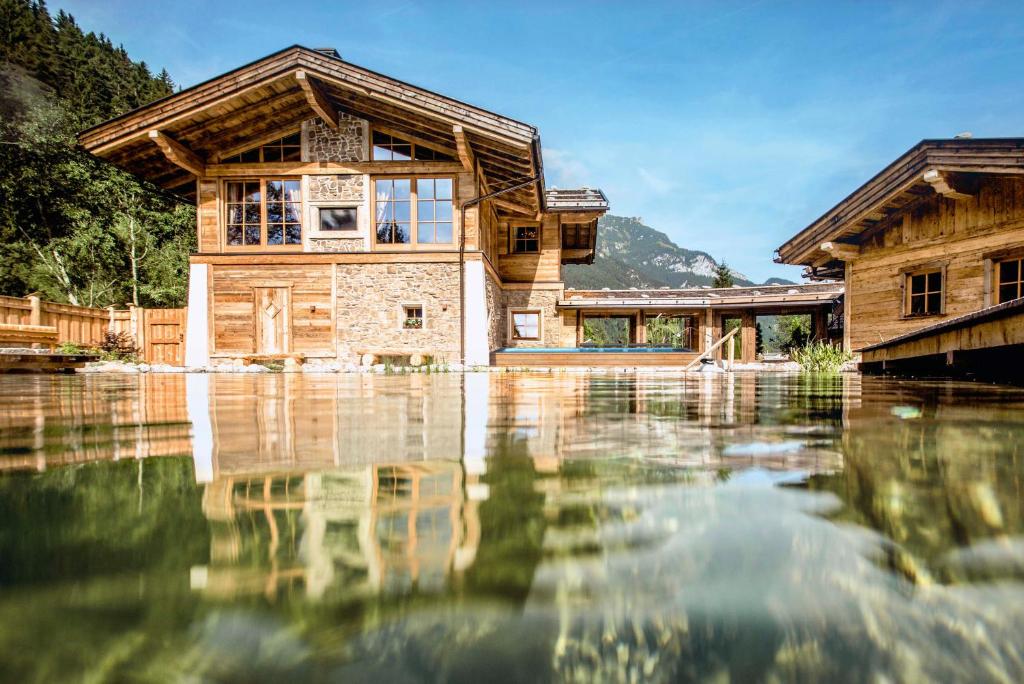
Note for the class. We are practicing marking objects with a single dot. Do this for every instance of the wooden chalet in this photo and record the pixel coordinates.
(931, 252)
(346, 215)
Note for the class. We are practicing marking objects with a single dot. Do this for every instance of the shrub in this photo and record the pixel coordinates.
(820, 357)
(118, 347)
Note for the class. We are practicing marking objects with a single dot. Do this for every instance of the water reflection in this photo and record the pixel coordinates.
(522, 527)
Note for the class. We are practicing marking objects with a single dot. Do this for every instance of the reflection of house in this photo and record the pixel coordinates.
(375, 527)
(50, 423)
(930, 250)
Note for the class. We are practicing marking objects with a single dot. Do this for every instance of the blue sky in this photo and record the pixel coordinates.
(729, 126)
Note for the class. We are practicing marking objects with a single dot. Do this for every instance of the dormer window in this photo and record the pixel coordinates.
(286, 149)
(387, 147)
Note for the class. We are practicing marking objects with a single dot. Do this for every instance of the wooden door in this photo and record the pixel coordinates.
(273, 321)
(163, 336)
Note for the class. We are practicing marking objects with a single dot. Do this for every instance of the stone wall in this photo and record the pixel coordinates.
(337, 245)
(345, 188)
(546, 301)
(369, 309)
(347, 143)
(496, 321)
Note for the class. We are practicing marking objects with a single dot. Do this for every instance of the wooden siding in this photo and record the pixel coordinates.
(544, 267)
(310, 306)
(956, 234)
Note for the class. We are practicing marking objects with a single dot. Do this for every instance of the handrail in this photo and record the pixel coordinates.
(711, 350)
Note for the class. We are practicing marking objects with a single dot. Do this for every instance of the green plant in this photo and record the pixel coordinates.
(820, 357)
(118, 347)
(71, 348)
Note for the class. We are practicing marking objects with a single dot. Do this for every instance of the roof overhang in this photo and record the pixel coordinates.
(767, 297)
(932, 168)
(167, 141)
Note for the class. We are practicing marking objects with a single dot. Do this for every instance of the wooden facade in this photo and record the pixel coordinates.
(935, 236)
(330, 198)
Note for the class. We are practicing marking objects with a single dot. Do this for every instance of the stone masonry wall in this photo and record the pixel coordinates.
(337, 245)
(545, 300)
(324, 144)
(370, 315)
(346, 188)
(496, 321)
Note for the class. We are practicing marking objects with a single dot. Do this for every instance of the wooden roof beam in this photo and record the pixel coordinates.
(317, 100)
(514, 207)
(464, 149)
(941, 183)
(841, 250)
(178, 154)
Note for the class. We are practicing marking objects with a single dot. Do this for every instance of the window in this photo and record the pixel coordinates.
(387, 147)
(413, 211)
(338, 218)
(525, 325)
(576, 236)
(264, 213)
(1011, 279)
(412, 317)
(924, 293)
(525, 239)
(286, 149)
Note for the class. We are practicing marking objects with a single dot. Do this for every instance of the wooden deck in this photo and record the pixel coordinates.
(548, 359)
(32, 361)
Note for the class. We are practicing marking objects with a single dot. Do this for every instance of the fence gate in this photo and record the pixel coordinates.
(163, 336)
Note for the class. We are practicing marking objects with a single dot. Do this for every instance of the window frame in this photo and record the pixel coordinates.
(513, 240)
(263, 246)
(512, 337)
(413, 145)
(259, 150)
(997, 280)
(403, 311)
(907, 295)
(414, 243)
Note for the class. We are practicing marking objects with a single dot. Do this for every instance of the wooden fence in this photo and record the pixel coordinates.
(158, 333)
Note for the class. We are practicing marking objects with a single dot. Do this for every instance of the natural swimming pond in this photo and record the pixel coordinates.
(510, 527)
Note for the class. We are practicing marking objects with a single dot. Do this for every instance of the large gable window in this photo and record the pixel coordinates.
(264, 213)
(387, 147)
(286, 149)
(413, 211)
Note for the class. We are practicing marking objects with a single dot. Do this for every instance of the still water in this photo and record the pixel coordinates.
(503, 527)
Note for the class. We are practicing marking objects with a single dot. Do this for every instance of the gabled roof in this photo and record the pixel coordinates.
(929, 167)
(582, 199)
(272, 96)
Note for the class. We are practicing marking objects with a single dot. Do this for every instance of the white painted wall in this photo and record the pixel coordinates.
(477, 351)
(197, 338)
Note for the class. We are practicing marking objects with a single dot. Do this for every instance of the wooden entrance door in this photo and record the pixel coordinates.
(163, 336)
(273, 320)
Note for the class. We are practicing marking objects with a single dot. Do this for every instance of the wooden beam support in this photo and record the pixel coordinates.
(317, 100)
(178, 154)
(841, 250)
(513, 207)
(463, 148)
(941, 184)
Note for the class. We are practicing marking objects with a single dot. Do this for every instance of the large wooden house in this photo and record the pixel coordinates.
(344, 214)
(931, 251)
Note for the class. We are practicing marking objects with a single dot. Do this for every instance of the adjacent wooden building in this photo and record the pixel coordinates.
(931, 251)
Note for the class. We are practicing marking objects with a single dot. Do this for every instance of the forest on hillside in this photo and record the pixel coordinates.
(72, 227)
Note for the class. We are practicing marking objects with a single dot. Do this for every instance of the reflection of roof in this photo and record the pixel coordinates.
(763, 295)
(581, 199)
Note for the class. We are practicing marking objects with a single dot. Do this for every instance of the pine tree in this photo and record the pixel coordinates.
(723, 276)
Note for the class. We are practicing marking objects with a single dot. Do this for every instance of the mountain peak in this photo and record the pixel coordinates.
(632, 254)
